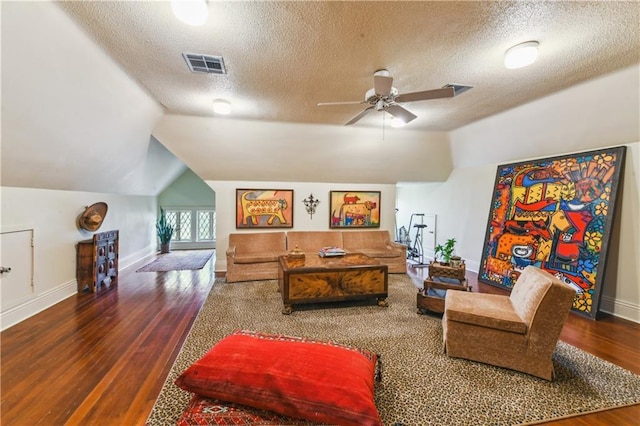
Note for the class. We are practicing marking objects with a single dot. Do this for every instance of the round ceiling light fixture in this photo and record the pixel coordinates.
(521, 55)
(192, 12)
(221, 106)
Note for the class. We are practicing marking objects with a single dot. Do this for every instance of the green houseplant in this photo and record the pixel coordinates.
(446, 250)
(165, 232)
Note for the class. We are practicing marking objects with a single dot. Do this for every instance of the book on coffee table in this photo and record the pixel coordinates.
(331, 251)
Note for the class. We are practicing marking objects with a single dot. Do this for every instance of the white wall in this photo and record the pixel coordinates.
(52, 214)
(602, 113)
(461, 205)
(71, 117)
(226, 208)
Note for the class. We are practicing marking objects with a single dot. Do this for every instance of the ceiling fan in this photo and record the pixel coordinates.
(384, 97)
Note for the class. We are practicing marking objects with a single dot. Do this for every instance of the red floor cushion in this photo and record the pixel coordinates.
(319, 381)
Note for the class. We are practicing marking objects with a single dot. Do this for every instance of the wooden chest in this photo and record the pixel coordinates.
(313, 279)
(97, 261)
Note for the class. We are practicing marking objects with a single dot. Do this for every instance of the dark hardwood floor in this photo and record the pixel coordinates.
(102, 359)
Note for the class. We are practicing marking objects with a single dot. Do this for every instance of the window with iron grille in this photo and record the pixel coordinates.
(192, 225)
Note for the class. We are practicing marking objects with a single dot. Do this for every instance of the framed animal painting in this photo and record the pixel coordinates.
(264, 208)
(555, 214)
(354, 209)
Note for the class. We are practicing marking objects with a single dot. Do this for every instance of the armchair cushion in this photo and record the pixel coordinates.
(485, 310)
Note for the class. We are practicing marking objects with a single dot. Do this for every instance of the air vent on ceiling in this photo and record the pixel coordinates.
(205, 63)
(458, 88)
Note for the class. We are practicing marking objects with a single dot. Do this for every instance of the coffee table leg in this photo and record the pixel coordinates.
(382, 301)
(287, 309)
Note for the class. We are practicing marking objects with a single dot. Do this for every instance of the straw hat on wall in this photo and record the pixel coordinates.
(92, 217)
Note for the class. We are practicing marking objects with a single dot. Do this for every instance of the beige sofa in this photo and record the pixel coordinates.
(254, 256)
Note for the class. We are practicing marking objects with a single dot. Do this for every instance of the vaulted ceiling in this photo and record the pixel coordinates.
(91, 86)
(282, 58)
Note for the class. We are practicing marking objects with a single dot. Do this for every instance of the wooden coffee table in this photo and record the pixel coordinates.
(313, 279)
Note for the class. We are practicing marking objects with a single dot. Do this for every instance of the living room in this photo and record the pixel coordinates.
(89, 133)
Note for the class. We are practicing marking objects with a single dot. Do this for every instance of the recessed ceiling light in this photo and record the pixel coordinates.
(192, 12)
(221, 106)
(521, 55)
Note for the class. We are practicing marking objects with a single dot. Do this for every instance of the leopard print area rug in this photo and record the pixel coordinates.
(421, 385)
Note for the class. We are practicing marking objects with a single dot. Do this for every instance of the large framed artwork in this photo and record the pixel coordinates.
(264, 208)
(555, 214)
(354, 209)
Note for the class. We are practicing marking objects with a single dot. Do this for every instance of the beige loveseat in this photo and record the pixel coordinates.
(254, 256)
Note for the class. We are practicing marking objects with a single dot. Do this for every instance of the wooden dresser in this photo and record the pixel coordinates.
(97, 262)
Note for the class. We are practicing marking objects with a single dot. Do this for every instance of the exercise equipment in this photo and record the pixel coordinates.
(415, 252)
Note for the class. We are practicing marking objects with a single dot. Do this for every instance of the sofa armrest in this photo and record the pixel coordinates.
(231, 251)
(392, 245)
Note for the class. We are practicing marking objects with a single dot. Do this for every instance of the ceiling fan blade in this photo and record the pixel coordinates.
(360, 115)
(401, 113)
(446, 92)
(382, 84)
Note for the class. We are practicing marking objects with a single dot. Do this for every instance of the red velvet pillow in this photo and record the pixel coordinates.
(313, 380)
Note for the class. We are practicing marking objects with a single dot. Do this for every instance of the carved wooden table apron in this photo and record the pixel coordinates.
(313, 279)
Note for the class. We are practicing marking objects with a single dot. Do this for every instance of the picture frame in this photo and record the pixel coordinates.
(264, 208)
(354, 209)
(556, 214)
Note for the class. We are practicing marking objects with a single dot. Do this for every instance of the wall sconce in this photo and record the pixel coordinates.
(311, 203)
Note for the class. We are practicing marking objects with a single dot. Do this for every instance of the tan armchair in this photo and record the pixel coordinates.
(519, 331)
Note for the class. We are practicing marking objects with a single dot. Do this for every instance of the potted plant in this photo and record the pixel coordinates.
(165, 232)
(446, 250)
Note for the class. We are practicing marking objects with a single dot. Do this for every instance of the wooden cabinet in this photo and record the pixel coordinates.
(97, 264)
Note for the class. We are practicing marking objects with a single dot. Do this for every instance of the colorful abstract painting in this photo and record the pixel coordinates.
(354, 209)
(555, 214)
(264, 208)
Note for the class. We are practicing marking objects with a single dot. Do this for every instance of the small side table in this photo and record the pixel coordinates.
(441, 279)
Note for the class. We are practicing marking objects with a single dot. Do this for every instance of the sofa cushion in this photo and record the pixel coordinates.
(378, 254)
(258, 243)
(484, 310)
(311, 242)
(257, 258)
(372, 239)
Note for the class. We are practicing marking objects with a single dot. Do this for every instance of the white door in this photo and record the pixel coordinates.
(429, 235)
(16, 260)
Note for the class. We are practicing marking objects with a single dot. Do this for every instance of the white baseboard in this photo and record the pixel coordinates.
(125, 262)
(50, 297)
(620, 308)
(38, 304)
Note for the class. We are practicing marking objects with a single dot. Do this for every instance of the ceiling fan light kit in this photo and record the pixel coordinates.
(521, 55)
(191, 12)
(383, 97)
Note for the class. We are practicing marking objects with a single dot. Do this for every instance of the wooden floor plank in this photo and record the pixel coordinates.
(102, 359)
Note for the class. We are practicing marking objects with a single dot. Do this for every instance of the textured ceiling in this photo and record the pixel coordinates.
(283, 58)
